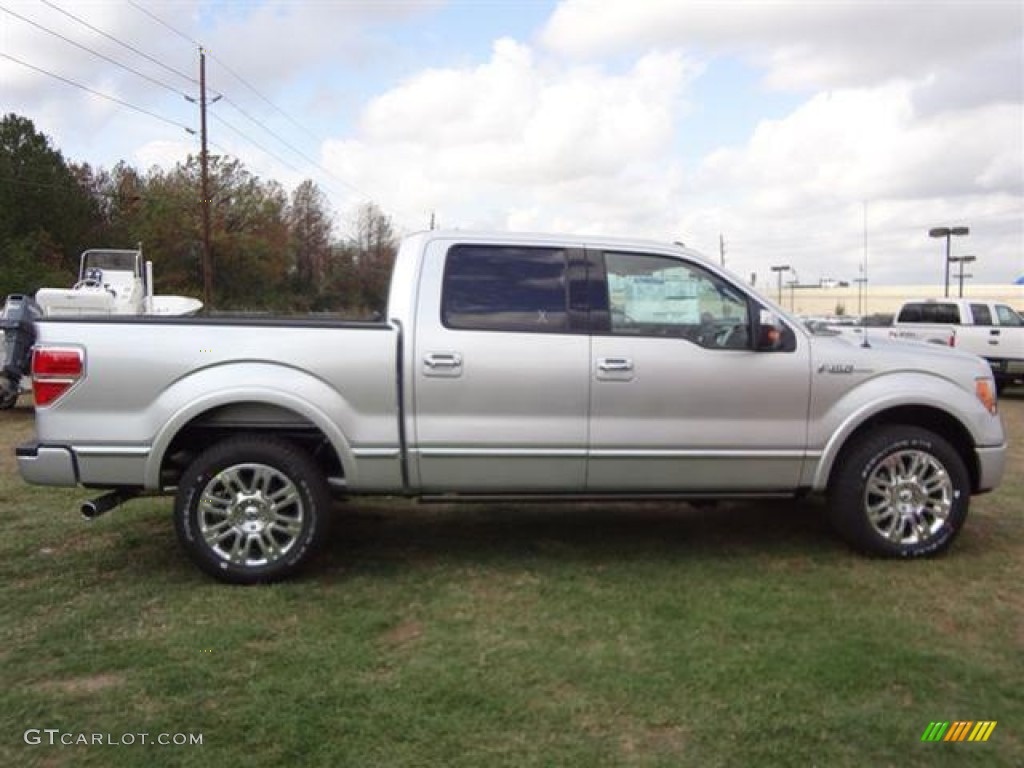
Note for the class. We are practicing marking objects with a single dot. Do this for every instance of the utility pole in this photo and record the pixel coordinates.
(721, 248)
(204, 163)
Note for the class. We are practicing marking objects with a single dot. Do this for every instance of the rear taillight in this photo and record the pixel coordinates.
(55, 370)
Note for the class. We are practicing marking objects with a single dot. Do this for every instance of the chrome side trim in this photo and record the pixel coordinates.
(577, 453)
(111, 450)
(497, 453)
(376, 453)
(704, 453)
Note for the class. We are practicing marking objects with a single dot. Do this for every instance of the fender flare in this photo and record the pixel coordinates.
(185, 409)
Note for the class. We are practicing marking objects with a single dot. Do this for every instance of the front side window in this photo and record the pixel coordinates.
(1007, 316)
(661, 296)
(505, 288)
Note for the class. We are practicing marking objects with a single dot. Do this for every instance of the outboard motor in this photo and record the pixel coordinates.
(17, 323)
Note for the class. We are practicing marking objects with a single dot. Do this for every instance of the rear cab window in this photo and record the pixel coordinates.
(939, 313)
(981, 314)
(506, 288)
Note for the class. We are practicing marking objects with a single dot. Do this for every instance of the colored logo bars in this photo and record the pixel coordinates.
(961, 730)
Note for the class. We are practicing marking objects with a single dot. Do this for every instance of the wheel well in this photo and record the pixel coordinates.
(932, 419)
(224, 421)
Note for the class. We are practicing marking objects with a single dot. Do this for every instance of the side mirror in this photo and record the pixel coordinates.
(773, 335)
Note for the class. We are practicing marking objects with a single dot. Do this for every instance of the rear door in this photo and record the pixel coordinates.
(500, 377)
(680, 401)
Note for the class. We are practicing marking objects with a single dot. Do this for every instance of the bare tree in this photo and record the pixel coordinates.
(309, 225)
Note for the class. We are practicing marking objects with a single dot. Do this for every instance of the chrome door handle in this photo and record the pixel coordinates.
(443, 360)
(609, 364)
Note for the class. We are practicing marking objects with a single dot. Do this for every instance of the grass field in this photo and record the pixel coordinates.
(635, 635)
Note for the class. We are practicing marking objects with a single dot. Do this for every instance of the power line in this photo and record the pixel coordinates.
(160, 21)
(68, 40)
(252, 88)
(272, 105)
(252, 141)
(106, 96)
(131, 48)
(295, 149)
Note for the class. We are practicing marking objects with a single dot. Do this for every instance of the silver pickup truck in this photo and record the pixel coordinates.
(534, 367)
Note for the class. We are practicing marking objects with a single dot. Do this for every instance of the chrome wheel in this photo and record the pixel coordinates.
(909, 497)
(250, 514)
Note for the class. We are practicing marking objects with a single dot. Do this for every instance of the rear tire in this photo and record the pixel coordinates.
(899, 491)
(252, 509)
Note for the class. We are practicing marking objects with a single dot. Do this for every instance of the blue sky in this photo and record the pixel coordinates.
(775, 125)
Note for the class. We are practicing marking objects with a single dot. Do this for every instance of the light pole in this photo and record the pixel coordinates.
(861, 290)
(792, 290)
(948, 233)
(779, 269)
(962, 260)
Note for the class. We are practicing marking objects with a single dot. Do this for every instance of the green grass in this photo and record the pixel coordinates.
(632, 634)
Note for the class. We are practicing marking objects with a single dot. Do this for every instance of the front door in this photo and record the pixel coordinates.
(680, 400)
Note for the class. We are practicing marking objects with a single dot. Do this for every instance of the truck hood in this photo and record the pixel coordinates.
(847, 354)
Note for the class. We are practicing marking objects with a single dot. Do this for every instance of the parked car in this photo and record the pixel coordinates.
(511, 366)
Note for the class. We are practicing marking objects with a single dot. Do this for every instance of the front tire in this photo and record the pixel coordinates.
(899, 492)
(252, 509)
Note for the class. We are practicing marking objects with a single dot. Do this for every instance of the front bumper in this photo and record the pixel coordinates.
(991, 465)
(47, 464)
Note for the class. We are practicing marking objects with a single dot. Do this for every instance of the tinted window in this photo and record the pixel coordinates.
(981, 313)
(930, 312)
(659, 296)
(504, 288)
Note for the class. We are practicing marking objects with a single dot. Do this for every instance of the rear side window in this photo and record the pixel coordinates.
(982, 314)
(505, 288)
(930, 312)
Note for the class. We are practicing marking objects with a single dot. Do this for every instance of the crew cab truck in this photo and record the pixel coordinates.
(511, 366)
(991, 330)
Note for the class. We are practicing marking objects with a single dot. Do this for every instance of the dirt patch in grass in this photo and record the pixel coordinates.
(88, 684)
(404, 634)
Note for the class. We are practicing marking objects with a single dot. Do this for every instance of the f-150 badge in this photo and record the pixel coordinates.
(835, 368)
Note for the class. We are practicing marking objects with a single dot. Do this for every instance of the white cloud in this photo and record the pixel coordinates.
(868, 143)
(795, 192)
(493, 144)
(801, 45)
(275, 41)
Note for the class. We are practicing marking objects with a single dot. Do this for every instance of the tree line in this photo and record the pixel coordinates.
(270, 251)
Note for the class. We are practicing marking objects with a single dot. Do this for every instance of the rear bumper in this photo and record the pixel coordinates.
(47, 464)
(991, 465)
(113, 466)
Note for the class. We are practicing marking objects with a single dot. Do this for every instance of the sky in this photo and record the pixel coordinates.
(829, 136)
